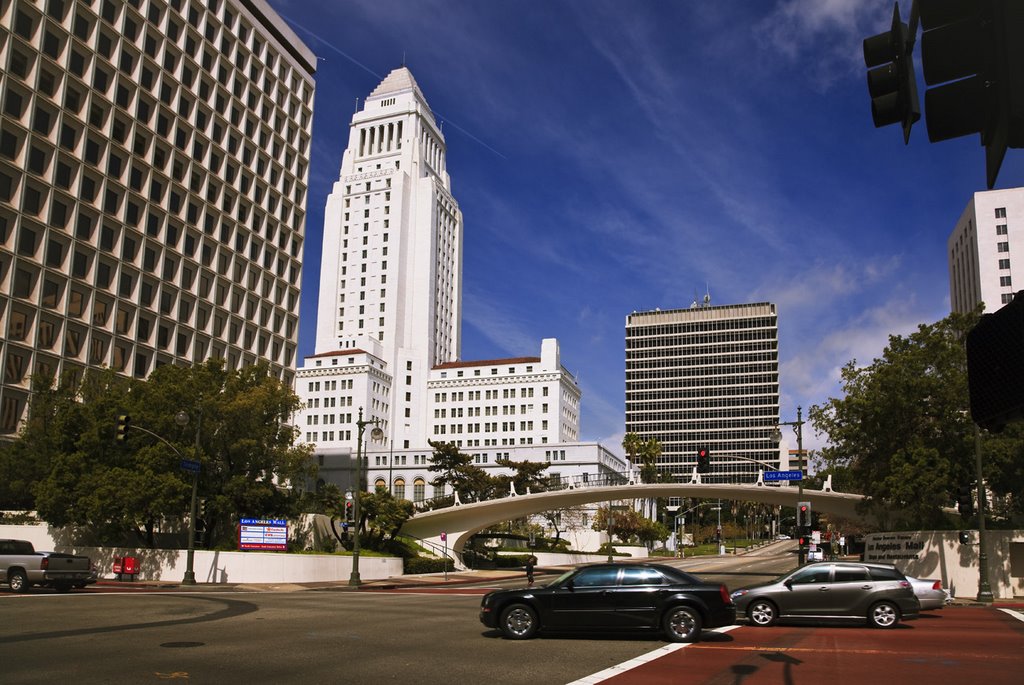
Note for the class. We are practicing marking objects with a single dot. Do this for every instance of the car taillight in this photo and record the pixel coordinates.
(937, 585)
(725, 594)
(905, 583)
(45, 563)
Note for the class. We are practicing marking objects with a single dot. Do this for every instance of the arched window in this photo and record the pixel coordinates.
(419, 490)
(380, 484)
(399, 492)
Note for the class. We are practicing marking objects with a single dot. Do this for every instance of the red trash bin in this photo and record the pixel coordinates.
(130, 566)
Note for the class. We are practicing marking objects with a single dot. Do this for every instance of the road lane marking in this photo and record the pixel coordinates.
(1016, 614)
(619, 669)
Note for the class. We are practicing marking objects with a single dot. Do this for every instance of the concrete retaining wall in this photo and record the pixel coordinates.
(939, 555)
(217, 567)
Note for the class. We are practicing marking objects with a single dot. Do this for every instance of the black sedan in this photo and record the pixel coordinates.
(612, 597)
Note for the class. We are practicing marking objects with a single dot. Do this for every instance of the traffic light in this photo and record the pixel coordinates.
(124, 422)
(972, 52)
(965, 537)
(995, 366)
(703, 460)
(891, 80)
(804, 535)
(965, 500)
(349, 511)
(803, 514)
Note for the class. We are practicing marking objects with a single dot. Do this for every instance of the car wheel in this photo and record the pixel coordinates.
(682, 624)
(18, 581)
(762, 613)
(883, 615)
(519, 622)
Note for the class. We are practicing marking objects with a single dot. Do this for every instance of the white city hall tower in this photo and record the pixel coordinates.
(391, 271)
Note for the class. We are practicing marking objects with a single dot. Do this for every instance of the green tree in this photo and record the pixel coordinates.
(902, 434)
(526, 475)
(383, 515)
(237, 429)
(457, 471)
(632, 444)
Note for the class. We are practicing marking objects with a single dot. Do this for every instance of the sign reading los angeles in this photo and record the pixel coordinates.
(263, 534)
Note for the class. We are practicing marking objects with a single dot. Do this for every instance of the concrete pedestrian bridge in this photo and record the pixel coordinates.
(459, 522)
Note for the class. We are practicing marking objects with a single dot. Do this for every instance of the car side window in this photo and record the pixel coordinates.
(812, 576)
(642, 576)
(851, 574)
(595, 577)
(885, 574)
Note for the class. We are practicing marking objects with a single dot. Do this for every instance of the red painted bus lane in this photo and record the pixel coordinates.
(959, 644)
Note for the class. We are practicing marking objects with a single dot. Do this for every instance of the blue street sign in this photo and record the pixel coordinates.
(783, 475)
(189, 465)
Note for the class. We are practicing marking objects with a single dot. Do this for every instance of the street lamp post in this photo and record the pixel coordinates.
(376, 434)
(798, 427)
(182, 419)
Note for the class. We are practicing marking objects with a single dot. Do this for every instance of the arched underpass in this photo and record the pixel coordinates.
(461, 521)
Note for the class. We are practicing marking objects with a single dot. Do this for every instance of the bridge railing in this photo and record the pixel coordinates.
(585, 480)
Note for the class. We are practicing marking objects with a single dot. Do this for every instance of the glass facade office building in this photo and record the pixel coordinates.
(706, 378)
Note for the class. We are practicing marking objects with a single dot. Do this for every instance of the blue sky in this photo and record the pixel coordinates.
(614, 156)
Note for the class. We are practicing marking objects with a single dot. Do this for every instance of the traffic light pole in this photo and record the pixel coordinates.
(984, 589)
(798, 426)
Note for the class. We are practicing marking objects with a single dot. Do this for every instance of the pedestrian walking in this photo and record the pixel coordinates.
(531, 562)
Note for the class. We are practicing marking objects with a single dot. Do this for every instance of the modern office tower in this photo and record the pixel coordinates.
(391, 271)
(986, 249)
(154, 157)
(706, 377)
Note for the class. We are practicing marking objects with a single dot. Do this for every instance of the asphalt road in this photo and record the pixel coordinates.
(432, 635)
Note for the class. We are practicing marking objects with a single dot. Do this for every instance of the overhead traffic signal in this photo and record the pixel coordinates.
(995, 366)
(965, 500)
(891, 80)
(703, 460)
(973, 53)
(124, 422)
(803, 514)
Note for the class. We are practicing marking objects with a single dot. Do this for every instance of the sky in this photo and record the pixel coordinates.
(613, 156)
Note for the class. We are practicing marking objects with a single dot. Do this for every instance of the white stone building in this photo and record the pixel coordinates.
(389, 325)
(986, 249)
(391, 270)
(154, 161)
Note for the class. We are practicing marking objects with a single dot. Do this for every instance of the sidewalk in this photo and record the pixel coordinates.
(437, 580)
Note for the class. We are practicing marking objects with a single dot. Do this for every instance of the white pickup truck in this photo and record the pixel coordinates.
(21, 567)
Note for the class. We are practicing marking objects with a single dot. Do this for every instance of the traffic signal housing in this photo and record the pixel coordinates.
(349, 511)
(965, 501)
(703, 460)
(995, 366)
(124, 422)
(973, 53)
(891, 80)
(803, 514)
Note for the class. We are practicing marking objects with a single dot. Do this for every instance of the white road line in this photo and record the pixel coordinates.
(1016, 614)
(619, 669)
